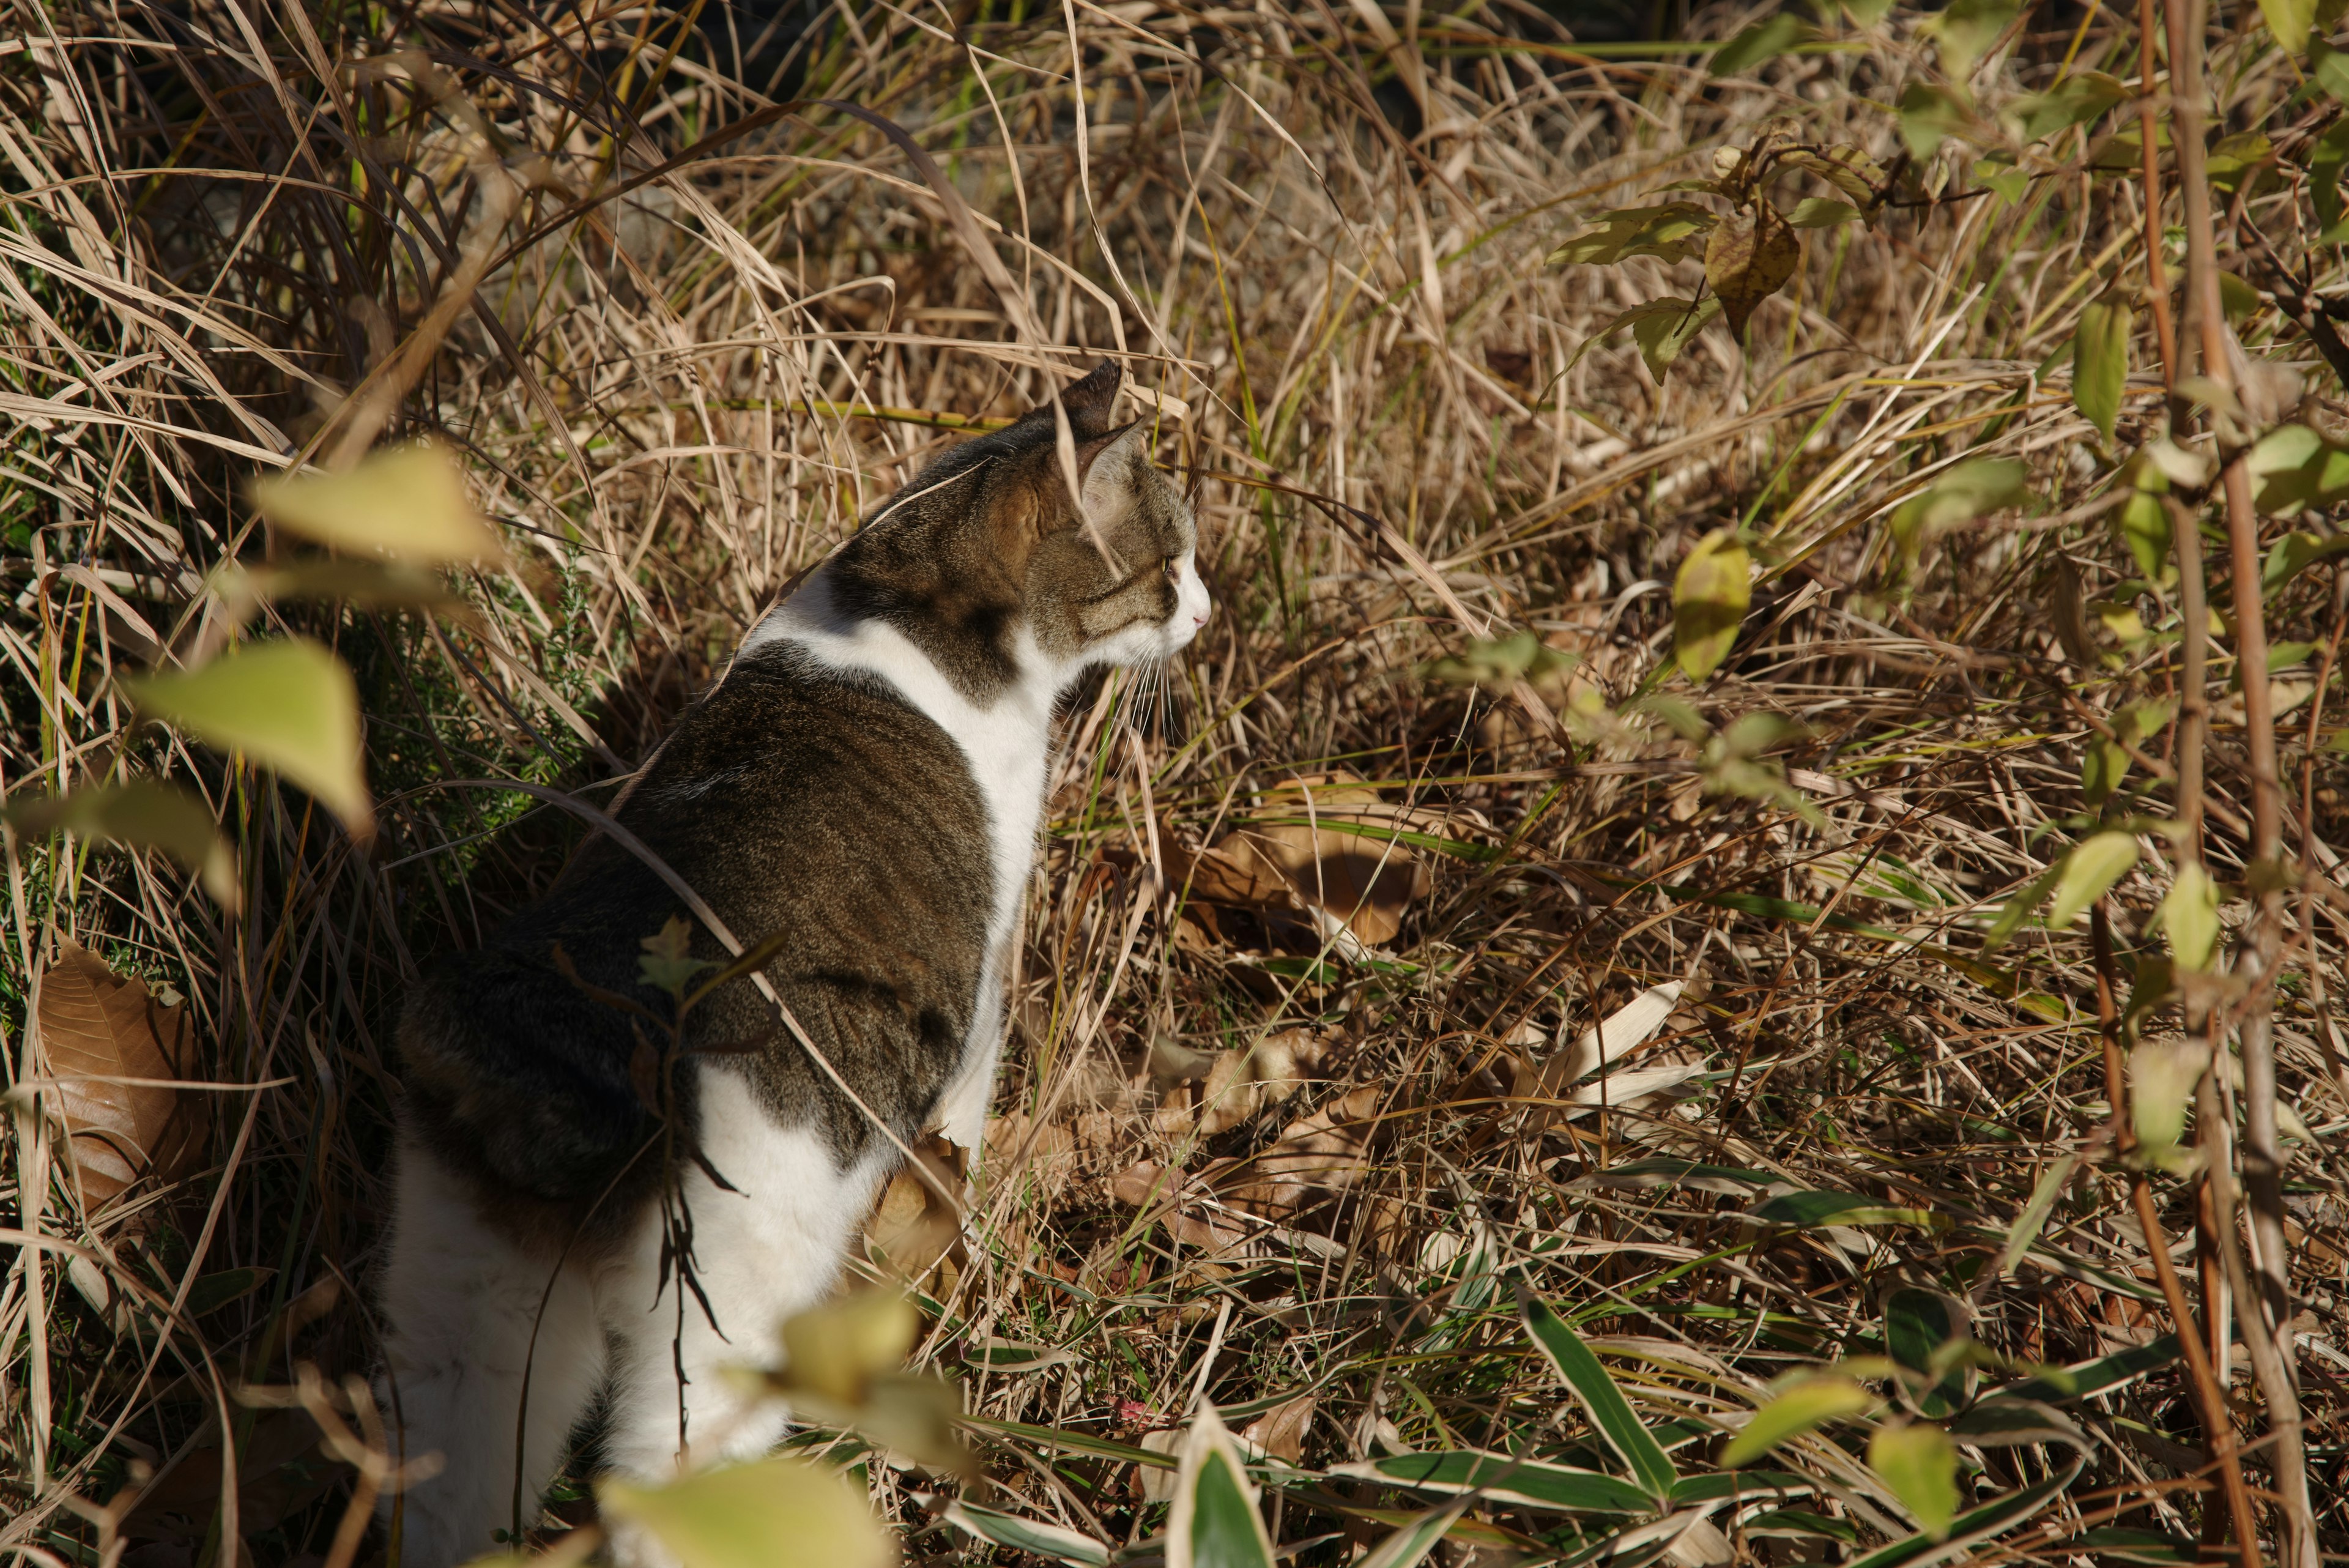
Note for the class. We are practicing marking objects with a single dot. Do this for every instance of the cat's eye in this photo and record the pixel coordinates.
(1174, 568)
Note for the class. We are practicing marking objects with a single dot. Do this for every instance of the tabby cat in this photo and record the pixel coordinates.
(864, 787)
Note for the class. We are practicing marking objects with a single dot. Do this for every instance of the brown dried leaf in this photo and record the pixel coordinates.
(912, 1227)
(1328, 1151)
(97, 1025)
(1281, 1432)
(1749, 258)
(1242, 1083)
(1313, 860)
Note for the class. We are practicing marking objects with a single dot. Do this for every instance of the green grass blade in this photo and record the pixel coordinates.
(1609, 1412)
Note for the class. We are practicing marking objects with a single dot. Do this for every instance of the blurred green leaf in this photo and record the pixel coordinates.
(408, 502)
(2295, 553)
(2019, 904)
(2074, 100)
(2150, 1547)
(2090, 870)
(1500, 662)
(2326, 162)
(836, 1350)
(2289, 21)
(1803, 1405)
(368, 582)
(142, 813)
(1766, 40)
(1965, 29)
(1963, 493)
(666, 963)
(2034, 1218)
(1919, 1464)
(2330, 67)
(774, 1513)
(2012, 1423)
(2189, 917)
(1802, 1522)
(288, 705)
(2143, 523)
(1710, 594)
(1920, 1326)
(1609, 1411)
(2003, 1512)
(2162, 1076)
(1215, 1522)
(2100, 362)
(1661, 328)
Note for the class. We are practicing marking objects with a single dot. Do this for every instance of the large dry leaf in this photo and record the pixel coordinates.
(1308, 851)
(1281, 1432)
(98, 1025)
(1242, 1083)
(911, 1228)
(1624, 1030)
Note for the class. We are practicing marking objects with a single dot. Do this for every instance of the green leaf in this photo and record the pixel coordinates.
(1766, 40)
(1601, 1400)
(759, 1515)
(2018, 907)
(1710, 594)
(2325, 160)
(2076, 100)
(2034, 1218)
(1501, 661)
(1965, 29)
(2143, 523)
(2295, 553)
(1928, 116)
(837, 1349)
(1920, 1326)
(1976, 1524)
(408, 502)
(2089, 871)
(1919, 1464)
(213, 1291)
(1507, 1479)
(2103, 765)
(668, 965)
(2162, 1077)
(142, 814)
(1722, 1486)
(2150, 1547)
(2330, 67)
(2189, 917)
(2295, 468)
(1409, 1547)
(1810, 1209)
(1821, 212)
(2100, 362)
(1673, 232)
(2289, 21)
(1803, 1405)
(1661, 328)
(1214, 1522)
(1051, 1541)
(288, 705)
(2102, 1376)
(2012, 1423)
(1748, 258)
(1962, 492)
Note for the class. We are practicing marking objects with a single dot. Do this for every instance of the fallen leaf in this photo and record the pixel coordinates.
(96, 1025)
(1150, 1482)
(914, 1229)
(1281, 1432)
(1242, 1083)
(1748, 258)
(1328, 1151)
(1308, 850)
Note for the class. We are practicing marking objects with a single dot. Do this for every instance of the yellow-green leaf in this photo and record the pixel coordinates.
(1965, 30)
(287, 705)
(2289, 21)
(2162, 1076)
(2100, 362)
(1766, 40)
(144, 814)
(408, 502)
(769, 1514)
(2190, 915)
(837, 1349)
(1928, 116)
(1748, 258)
(1710, 598)
(2089, 870)
(1803, 1405)
(2144, 523)
(1961, 495)
(1919, 1464)
(1673, 232)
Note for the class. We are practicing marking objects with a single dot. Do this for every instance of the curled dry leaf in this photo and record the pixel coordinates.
(914, 1229)
(1328, 1151)
(1242, 1083)
(1749, 257)
(1281, 1432)
(1321, 843)
(100, 1029)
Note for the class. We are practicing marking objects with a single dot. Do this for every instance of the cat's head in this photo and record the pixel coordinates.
(1114, 582)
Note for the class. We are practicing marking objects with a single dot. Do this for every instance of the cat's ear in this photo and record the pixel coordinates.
(1090, 402)
(1110, 469)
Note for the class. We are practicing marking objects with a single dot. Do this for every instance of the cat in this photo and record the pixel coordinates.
(863, 786)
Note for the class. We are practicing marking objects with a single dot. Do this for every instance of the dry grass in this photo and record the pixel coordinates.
(697, 353)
